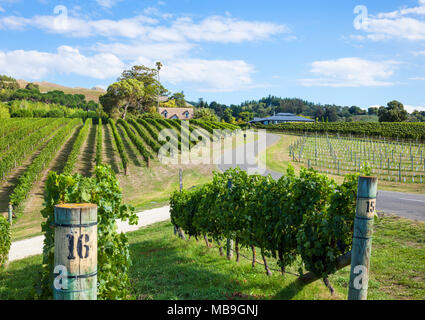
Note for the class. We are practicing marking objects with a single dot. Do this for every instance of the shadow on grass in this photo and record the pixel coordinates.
(17, 281)
(164, 269)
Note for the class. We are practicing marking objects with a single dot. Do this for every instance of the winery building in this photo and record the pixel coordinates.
(280, 118)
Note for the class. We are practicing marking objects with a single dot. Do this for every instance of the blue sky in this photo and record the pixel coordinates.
(230, 51)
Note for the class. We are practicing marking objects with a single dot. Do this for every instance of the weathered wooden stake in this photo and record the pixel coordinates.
(220, 248)
(362, 239)
(254, 256)
(75, 252)
(237, 250)
(229, 245)
(229, 249)
(10, 212)
(266, 266)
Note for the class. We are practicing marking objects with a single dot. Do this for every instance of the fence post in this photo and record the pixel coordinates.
(177, 229)
(75, 252)
(362, 238)
(181, 189)
(229, 245)
(10, 214)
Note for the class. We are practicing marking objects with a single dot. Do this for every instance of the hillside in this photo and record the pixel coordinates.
(91, 94)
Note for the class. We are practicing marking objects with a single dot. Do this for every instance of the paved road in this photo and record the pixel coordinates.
(406, 205)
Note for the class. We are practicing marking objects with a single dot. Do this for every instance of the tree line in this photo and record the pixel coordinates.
(10, 91)
(268, 106)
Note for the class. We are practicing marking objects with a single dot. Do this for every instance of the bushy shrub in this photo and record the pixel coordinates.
(113, 248)
(4, 241)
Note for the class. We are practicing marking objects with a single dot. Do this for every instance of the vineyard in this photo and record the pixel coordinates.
(395, 130)
(339, 155)
(307, 216)
(28, 147)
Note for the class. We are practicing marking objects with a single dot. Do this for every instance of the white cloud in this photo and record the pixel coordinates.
(419, 53)
(217, 29)
(108, 3)
(406, 23)
(67, 60)
(417, 78)
(202, 75)
(210, 75)
(212, 29)
(143, 39)
(410, 109)
(154, 51)
(350, 72)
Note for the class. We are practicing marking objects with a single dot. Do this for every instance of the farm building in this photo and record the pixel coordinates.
(177, 113)
(280, 118)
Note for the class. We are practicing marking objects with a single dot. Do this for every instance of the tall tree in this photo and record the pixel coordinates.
(205, 114)
(152, 86)
(394, 112)
(179, 98)
(122, 97)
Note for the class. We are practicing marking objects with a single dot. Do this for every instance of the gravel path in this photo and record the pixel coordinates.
(34, 246)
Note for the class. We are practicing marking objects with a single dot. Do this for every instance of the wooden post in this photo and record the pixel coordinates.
(75, 252)
(177, 229)
(181, 189)
(362, 239)
(229, 245)
(10, 212)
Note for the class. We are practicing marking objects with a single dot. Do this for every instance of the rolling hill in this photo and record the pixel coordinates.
(91, 94)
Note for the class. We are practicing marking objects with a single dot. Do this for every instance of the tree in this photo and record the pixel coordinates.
(394, 112)
(246, 116)
(227, 116)
(33, 87)
(331, 114)
(123, 96)
(179, 99)
(152, 87)
(8, 83)
(354, 110)
(372, 111)
(205, 114)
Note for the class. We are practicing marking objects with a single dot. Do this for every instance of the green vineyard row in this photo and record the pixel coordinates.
(76, 148)
(99, 143)
(403, 130)
(305, 216)
(136, 140)
(17, 153)
(119, 144)
(27, 180)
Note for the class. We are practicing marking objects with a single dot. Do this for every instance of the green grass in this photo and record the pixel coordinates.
(165, 267)
(398, 261)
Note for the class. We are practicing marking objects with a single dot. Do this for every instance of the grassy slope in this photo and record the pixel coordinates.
(165, 267)
(277, 159)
